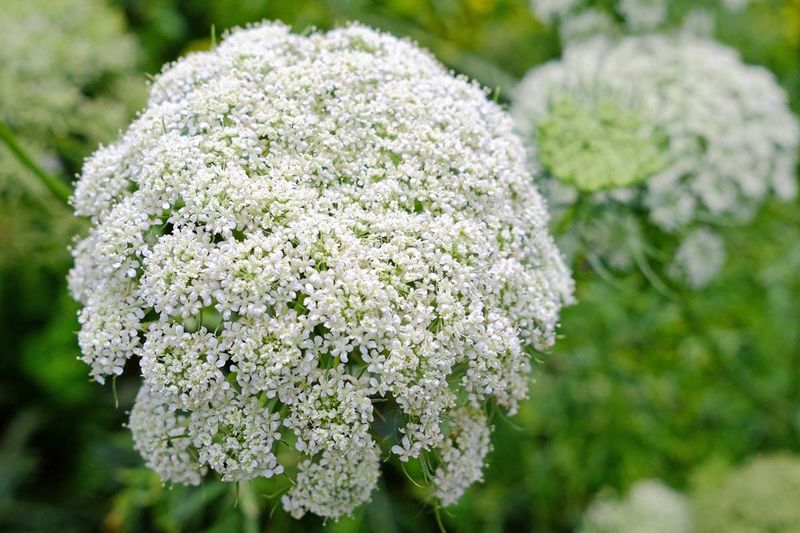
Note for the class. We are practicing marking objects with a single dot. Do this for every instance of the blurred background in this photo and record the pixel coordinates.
(639, 386)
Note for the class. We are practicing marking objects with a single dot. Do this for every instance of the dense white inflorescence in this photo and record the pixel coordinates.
(650, 507)
(299, 232)
(643, 14)
(462, 453)
(676, 129)
(162, 436)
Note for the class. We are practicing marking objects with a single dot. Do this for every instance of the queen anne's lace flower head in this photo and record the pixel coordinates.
(675, 128)
(649, 506)
(301, 233)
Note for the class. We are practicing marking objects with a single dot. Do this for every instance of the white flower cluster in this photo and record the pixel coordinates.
(758, 496)
(675, 128)
(297, 227)
(463, 453)
(649, 507)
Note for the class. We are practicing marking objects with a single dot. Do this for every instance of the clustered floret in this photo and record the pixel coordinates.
(301, 233)
(462, 453)
(699, 257)
(675, 128)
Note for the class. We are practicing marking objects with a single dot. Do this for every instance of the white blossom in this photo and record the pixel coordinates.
(463, 453)
(699, 257)
(335, 483)
(675, 129)
(298, 230)
(588, 24)
(643, 14)
(161, 435)
(69, 81)
(51, 51)
(649, 507)
(234, 435)
(549, 11)
(736, 5)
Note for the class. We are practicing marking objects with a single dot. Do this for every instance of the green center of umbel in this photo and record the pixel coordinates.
(599, 144)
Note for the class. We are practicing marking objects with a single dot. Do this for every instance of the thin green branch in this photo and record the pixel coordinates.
(437, 513)
(60, 189)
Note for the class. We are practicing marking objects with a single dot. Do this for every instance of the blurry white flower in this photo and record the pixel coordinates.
(296, 226)
(649, 507)
(698, 22)
(586, 25)
(699, 258)
(51, 51)
(736, 5)
(675, 129)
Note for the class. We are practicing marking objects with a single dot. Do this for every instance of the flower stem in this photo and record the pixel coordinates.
(60, 189)
(439, 522)
(249, 507)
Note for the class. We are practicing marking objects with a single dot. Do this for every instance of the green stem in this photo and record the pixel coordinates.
(439, 521)
(249, 507)
(60, 189)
